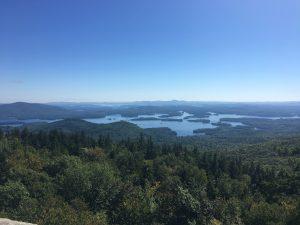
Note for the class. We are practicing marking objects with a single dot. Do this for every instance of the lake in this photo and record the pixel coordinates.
(182, 125)
(185, 127)
(182, 128)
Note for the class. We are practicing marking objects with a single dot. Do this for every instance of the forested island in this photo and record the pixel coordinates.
(199, 120)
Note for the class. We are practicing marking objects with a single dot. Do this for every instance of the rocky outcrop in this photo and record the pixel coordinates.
(11, 222)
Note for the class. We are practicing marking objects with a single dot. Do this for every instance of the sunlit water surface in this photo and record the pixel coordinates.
(184, 127)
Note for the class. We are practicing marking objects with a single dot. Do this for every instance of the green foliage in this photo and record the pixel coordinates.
(12, 194)
(58, 178)
(116, 131)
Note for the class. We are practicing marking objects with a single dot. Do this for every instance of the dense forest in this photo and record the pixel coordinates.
(54, 178)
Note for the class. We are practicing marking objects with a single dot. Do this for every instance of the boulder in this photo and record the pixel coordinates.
(11, 222)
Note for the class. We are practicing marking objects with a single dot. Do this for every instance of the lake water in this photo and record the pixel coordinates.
(184, 127)
(18, 123)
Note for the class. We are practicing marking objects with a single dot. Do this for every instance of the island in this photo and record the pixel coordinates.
(200, 120)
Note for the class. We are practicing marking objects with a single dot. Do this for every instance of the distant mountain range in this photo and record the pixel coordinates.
(164, 103)
(23, 110)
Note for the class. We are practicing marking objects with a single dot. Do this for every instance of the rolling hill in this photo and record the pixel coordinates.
(117, 131)
(23, 110)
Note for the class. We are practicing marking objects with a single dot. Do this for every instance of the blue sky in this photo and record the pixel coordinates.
(59, 50)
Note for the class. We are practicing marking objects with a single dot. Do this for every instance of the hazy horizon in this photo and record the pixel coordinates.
(154, 101)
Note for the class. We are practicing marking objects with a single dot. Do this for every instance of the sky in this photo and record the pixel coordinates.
(200, 50)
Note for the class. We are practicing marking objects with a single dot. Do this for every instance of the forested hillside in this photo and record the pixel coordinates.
(116, 131)
(59, 178)
(23, 110)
